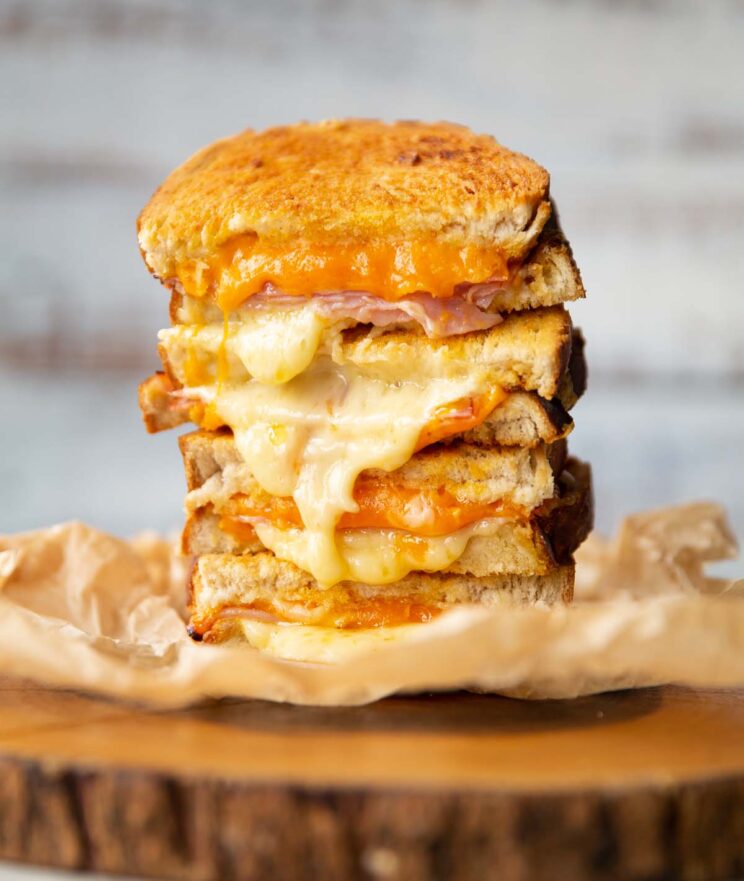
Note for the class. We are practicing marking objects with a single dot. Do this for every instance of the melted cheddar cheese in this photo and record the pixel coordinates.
(422, 511)
(457, 417)
(246, 263)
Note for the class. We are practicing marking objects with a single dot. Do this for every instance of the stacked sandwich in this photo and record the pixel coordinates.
(369, 332)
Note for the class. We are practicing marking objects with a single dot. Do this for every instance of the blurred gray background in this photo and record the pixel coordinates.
(636, 108)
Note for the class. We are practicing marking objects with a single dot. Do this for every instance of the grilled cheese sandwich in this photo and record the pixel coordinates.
(357, 353)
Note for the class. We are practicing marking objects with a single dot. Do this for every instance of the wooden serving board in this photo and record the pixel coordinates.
(631, 785)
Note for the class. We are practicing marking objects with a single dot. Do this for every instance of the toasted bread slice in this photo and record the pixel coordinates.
(514, 547)
(524, 420)
(549, 276)
(528, 350)
(342, 181)
(225, 588)
(160, 403)
(517, 476)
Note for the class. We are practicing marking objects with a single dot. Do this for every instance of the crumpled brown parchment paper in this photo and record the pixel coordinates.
(80, 608)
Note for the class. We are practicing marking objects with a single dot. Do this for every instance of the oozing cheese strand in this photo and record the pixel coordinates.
(307, 426)
(311, 437)
(372, 556)
(271, 346)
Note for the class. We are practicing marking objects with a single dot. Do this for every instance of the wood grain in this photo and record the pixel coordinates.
(647, 785)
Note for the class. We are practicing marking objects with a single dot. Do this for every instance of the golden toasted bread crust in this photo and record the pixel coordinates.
(343, 180)
(519, 476)
(160, 408)
(226, 583)
(528, 350)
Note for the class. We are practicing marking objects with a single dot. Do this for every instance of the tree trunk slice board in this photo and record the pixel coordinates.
(630, 785)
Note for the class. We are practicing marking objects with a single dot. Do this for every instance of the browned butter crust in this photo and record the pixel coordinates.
(347, 180)
(225, 587)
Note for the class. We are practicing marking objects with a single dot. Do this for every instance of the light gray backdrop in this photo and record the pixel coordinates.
(637, 109)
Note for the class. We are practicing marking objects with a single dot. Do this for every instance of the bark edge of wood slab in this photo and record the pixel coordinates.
(72, 807)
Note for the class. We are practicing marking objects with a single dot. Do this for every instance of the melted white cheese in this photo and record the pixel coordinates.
(322, 645)
(372, 556)
(307, 426)
(273, 346)
(310, 438)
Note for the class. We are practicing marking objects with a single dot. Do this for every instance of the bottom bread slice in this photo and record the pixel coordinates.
(227, 589)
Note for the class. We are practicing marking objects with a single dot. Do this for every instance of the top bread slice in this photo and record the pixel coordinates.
(347, 180)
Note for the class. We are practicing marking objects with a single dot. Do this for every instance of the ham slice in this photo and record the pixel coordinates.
(463, 312)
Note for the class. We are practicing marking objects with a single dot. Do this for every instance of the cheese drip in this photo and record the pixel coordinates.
(312, 436)
(374, 556)
(307, 426)
(272, 346)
